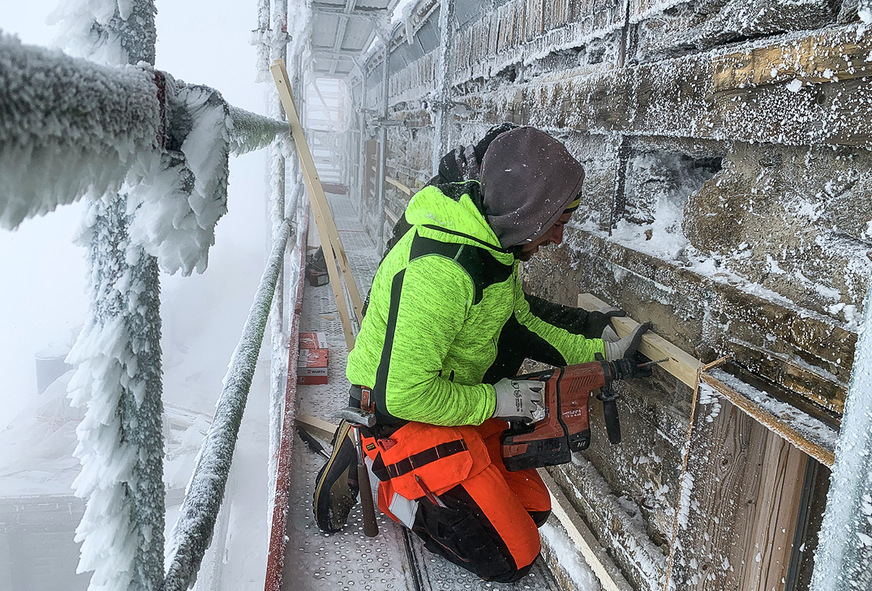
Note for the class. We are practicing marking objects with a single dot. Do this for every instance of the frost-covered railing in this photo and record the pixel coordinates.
(71, 128)
(151, 153)
(192, 532)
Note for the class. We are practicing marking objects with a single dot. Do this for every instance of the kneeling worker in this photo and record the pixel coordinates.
(445, 312)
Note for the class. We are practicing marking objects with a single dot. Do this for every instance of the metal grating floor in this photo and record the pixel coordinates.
(348, 560)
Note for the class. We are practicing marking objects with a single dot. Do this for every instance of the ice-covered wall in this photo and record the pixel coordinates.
(726, 199)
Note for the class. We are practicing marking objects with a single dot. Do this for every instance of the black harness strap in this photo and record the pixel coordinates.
(418, 460)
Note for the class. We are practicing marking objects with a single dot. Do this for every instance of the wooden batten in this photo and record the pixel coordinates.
(816, 59)
(334, 252)
(678, 363)
(318, 427)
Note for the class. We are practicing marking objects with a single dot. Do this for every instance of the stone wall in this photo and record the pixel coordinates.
(727, 201)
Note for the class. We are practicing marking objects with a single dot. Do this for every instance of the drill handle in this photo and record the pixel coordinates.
(613, 422)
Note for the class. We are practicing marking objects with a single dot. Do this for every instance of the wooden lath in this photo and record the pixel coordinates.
(816, 59)
(334, 253)
(682, 365)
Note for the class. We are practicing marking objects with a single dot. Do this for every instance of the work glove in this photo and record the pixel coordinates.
(623, 348)
(599, 320)
(519, 400)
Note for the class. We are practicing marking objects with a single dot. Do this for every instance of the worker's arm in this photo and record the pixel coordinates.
(430, 304)
(572, 348)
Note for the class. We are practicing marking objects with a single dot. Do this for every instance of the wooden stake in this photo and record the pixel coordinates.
(334, 253)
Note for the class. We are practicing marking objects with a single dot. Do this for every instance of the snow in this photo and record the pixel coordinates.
(842, 555)
(48, 160)
(864, 10)
(571, 562)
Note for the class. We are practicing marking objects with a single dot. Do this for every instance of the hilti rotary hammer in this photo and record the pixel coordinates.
(566, 426)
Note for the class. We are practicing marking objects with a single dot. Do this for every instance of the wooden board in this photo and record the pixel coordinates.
(816, 59)
(608, 574)
(682, 365)
(740, 504)
(334, 253)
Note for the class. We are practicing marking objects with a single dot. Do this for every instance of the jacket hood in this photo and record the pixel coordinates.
(528, 178)
(453, 218)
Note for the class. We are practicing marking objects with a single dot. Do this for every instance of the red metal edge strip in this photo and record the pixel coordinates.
(277, 539)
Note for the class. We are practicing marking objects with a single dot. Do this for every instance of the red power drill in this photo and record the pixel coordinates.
(566, 426)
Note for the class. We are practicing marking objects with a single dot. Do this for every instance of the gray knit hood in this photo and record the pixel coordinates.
(527, 179)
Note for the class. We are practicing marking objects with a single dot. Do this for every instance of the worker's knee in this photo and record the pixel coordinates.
(462, 533)
(539, 517)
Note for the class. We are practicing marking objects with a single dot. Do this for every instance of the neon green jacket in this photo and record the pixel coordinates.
(438, 303)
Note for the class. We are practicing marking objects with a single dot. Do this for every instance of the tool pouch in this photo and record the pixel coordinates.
(441, 457)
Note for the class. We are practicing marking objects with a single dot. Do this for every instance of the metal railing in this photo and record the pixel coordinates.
(192, 533)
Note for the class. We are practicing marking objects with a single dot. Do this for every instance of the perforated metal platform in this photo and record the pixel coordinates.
(347, 560)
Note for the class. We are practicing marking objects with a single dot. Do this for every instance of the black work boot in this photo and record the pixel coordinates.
(336, 484)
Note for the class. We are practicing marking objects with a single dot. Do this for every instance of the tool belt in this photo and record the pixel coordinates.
(419, 460)
(361, 397)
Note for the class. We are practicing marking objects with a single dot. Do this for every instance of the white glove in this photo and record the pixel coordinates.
(622, 348)
(519, 400)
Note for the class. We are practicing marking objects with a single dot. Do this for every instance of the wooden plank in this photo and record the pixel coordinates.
(608, 574)
(334, 253)
(816, 59)
(739, 505)
(682, 365)
(784, 429)
(768, 553)
(317, 427)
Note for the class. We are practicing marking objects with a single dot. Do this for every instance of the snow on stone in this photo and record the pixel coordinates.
(571, 561)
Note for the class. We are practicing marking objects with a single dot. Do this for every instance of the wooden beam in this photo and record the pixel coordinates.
(821, 451)
(816, 59)
(334, 253)
(591, 550)
(682, 365)
(316, 426)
